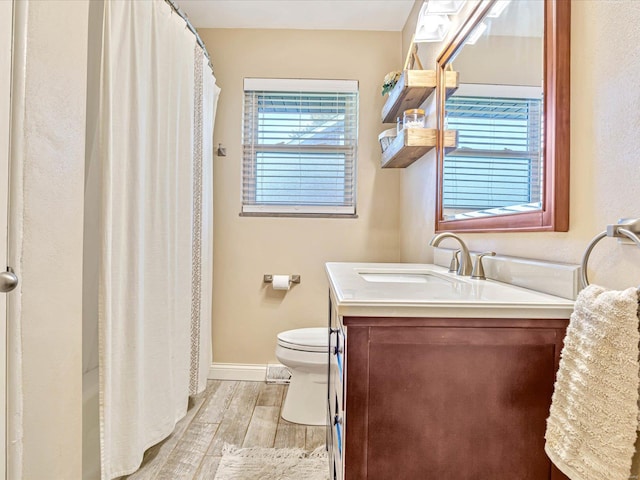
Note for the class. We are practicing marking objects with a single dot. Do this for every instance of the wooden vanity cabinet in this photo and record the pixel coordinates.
(441, 398)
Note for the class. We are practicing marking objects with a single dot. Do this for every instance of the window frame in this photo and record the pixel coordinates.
(249, 160)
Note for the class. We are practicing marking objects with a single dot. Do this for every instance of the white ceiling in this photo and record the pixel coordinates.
(389, 15)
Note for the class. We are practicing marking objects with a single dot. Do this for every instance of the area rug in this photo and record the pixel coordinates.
(272, 464)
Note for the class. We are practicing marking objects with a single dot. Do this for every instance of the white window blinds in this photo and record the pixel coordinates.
(299, 146)
(499, 157)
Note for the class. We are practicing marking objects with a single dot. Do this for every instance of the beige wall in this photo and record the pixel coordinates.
(605, 170)
(246, 314)
(45, 313)
(501, 60)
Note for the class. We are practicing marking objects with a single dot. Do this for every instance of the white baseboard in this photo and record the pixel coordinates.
(238, 371)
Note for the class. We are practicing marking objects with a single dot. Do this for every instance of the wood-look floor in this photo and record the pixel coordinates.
(245, 414)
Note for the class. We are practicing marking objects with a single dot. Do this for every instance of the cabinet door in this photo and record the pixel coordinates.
(459, 403)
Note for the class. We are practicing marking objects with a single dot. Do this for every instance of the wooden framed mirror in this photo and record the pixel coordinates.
(510, 171)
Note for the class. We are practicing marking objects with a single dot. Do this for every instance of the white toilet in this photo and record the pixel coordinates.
(305, 351)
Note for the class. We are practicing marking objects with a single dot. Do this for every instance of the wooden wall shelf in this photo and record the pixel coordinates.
(413, 88)
(413, 143)
(452, 82)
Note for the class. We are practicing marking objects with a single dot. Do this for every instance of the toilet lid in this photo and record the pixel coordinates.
(307, 339)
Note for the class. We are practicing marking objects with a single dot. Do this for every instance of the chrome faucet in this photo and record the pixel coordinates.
(478, 268)
(455, 262)
(465, 258)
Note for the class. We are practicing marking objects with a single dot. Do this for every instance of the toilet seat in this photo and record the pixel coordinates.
(305, 340)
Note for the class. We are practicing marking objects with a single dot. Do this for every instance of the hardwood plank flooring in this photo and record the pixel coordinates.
(315, 437)
(208, 468)
(216, 402)
(290, 436)
(262, 428)
(156, 456)
(233, 427)
(244, 414)
(270, 395)
(184, 461)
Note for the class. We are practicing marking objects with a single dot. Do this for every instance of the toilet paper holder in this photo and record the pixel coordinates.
(268, 278)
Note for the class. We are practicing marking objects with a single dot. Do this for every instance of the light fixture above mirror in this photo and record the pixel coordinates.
(448, 7)
(433, 20)
(431, 27)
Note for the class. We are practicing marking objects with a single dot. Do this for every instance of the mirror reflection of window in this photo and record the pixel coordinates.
(498, 112)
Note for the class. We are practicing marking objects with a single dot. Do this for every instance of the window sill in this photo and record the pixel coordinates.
(299, 215)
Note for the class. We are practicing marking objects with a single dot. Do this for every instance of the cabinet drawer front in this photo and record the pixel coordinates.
(465, 336)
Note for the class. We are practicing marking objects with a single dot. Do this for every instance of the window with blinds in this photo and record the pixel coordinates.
(299, 146)
(498, 161)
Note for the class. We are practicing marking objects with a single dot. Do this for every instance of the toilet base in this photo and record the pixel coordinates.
(306, 401)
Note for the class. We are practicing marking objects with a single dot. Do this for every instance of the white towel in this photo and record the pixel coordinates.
(591, 429)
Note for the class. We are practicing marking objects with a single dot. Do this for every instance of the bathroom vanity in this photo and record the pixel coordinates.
(434, 376)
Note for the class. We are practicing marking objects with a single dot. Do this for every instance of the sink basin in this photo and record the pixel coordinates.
(403, 277)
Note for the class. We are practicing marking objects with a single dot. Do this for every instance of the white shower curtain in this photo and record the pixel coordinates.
(155, 128)
(206, 102)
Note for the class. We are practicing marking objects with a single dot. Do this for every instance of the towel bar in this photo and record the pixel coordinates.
(628, 228)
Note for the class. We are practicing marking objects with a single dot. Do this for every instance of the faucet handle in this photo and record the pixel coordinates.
(478, 269)
(455, 262)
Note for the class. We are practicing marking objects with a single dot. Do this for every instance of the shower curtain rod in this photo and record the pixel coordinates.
(190, 26)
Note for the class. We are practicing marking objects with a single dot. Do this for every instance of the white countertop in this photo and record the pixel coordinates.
(441, 295)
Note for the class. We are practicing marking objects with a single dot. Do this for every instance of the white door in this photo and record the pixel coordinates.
(6, 33)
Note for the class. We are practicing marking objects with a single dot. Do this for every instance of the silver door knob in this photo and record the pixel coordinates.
(8, 280)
